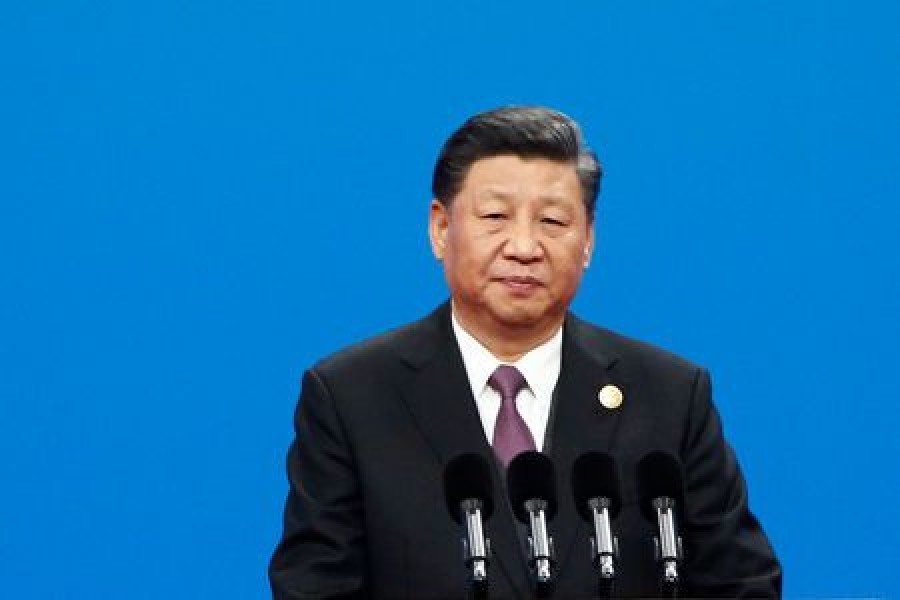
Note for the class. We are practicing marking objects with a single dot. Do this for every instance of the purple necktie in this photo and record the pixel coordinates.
(511, 434)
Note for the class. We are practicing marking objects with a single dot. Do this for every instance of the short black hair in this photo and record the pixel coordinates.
(523, 131)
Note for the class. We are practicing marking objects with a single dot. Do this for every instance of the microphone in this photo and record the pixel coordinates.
(470, 499)
(531, 480)
(598, 497)
(660, 483)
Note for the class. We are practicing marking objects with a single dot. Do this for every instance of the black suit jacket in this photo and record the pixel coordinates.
(377, 422)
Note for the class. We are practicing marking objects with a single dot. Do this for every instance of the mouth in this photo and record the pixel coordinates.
(520, 285)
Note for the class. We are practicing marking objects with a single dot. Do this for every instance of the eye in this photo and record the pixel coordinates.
(552, 221)
(494, 216)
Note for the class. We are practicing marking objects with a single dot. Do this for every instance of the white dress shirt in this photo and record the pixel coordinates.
(540, 367)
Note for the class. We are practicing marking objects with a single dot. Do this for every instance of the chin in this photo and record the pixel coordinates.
(519, 317)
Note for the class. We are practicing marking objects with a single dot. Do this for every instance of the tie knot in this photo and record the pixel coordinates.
(508, 381)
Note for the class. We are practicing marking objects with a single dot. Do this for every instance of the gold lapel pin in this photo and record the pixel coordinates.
(610, 397)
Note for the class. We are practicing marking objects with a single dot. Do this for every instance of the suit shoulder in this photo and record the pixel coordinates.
(381, 351)
(633, 351)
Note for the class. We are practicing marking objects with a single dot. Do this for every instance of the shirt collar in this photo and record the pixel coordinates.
(540, 366)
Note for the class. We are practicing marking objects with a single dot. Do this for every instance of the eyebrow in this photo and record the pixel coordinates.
(499, 194)
(496, 193)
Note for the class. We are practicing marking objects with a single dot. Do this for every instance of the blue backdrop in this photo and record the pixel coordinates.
(201, 198)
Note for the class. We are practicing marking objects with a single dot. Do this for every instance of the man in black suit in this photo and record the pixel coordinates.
(512, 222)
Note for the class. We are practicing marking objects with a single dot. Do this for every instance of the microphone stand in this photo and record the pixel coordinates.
(668, 547)
(604, 546)
(477, 548)
(541, 547)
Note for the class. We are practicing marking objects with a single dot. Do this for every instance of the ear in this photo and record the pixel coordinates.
(438, 222)
(589, 246)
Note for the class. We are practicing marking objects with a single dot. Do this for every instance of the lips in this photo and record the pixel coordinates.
(520, 284)
(520, 279)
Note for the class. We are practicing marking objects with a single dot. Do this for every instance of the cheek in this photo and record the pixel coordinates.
(568, 264)
(467, 264)
(476, 252)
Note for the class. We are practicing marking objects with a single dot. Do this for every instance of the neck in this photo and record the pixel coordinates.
(509, 343)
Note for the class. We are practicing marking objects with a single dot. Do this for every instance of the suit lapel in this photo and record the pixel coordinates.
(440, 401)
(579, 423)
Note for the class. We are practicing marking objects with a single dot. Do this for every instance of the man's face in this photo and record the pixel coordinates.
(514, 242)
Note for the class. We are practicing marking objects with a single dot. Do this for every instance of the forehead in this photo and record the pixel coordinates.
(508, 176)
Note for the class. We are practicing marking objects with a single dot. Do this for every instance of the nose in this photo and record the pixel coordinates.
(523, 244)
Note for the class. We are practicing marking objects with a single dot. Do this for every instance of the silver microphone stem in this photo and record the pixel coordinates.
(541, 551)
(475, 544)
(604, 549)
(668, 538)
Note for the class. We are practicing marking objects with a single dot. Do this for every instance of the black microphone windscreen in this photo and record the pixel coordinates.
(596, 475)
(466, 477)
(659, 474)
(531, 476)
